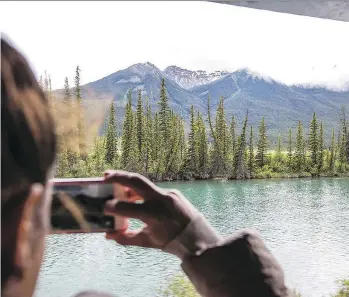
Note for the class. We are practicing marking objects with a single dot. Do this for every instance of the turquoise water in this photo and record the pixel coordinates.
(304, 222)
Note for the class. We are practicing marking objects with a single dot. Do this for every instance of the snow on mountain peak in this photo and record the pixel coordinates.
(244, 74)
(189, 78)
(144, 68)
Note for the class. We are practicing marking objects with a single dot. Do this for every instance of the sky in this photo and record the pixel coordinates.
(104, 37)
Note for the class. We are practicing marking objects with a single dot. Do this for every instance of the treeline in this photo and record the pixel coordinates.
(154, 143)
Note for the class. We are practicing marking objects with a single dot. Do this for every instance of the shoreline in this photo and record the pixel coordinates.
(281, 176)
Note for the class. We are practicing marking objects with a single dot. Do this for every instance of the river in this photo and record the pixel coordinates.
(304, 222)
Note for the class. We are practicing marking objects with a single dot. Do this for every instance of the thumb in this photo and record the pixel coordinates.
(136, 238)
(126, 209)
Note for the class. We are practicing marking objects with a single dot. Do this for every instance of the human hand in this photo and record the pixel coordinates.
(165, 213)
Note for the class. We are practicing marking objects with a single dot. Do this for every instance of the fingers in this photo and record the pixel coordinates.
(136, 238)
(125, 209)
(137, 182)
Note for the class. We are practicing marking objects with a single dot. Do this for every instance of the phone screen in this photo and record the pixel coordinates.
(79, 207)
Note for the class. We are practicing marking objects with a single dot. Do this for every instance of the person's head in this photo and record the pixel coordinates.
(28, 148)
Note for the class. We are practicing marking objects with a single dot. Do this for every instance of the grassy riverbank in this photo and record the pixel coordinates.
(180, 286)
(277, 166)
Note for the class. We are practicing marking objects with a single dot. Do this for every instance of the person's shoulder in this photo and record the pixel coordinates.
(93, 294)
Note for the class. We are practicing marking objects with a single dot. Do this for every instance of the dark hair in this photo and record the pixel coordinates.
(28, 146)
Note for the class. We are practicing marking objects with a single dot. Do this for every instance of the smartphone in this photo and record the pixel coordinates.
(78, 206)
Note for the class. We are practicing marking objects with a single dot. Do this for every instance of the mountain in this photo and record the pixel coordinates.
(281, 105)
(147, 78)
(188, 78)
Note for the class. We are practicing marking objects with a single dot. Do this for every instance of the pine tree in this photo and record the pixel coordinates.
(332, 153)
(164, 112)
(221, 135)
(67, 95)
(221, 142)
(313, 140)
(172, 164)
(227, 141)
(327, 156)
(337, 149)
(183, 147)
(158, 148)
(140, 128)
(239, 159)
(209, 116)
(77, 84)
(262, 144)
(111, 152)
(320, 158)
(127, 130)
(251, 159)
(300, 149)
(289, 150)
(212, 133)
(148, 135)
(202, 146)
(214, 153)
(342, 140)
(80, 116)
(233, 134)
(279, 150)
(156, 140)
(191, 158)
(342, 151)
(135, 165)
